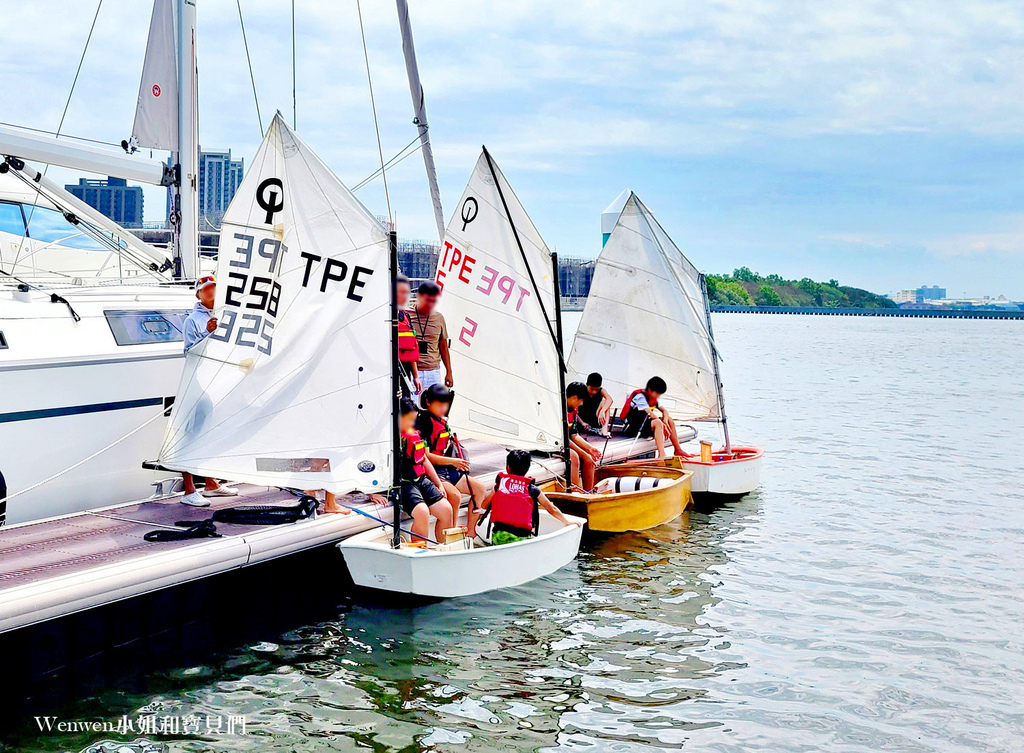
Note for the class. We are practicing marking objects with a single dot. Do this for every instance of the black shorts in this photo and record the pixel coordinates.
(420, 490)
(588, 417)
(638, 423)
(449, 473)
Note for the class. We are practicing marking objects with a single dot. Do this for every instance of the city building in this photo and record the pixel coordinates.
(920, 295)
(219, 178)
(418, 259)
(113, 197)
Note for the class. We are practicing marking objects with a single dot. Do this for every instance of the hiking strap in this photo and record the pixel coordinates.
(201, 529)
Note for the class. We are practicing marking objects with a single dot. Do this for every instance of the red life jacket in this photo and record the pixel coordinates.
(629, 403)
(414, 455)
(408, 348)
(512, 506)
(441, 438)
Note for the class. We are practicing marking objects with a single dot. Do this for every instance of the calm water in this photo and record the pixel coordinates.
(869, 597)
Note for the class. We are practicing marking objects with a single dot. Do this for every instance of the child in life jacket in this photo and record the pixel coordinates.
(446, 454)
(421, 494)
(582, 455)
(408, 348)
(644, 418)
(515, 502)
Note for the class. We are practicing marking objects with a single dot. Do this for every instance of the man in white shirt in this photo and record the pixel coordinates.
(198, 326)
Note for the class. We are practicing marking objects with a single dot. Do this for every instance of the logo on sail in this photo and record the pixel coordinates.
(156, 90)
(268, 199)
(469, 211)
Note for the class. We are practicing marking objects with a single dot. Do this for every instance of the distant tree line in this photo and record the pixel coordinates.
(745, 287)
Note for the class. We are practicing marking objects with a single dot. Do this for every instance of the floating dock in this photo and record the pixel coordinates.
(918, 313)
(62, 566)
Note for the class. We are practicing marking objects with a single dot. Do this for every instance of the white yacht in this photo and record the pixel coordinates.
(90, 316)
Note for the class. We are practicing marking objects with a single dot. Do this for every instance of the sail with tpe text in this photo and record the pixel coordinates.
(498, 300)
(293, 389)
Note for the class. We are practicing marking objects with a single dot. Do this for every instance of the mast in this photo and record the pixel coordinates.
(529, 270)
(186, 200)
(714, 357)
(562, 369)
(396, 394)
(419, 107)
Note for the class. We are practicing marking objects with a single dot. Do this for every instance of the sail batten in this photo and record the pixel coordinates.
(293, 388)
(645, 316)
(498, 297)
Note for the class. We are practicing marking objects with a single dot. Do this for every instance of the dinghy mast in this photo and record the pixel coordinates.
(419, 106)
(396, 393)
(714, 356)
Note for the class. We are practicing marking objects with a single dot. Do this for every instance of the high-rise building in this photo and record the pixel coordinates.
(113, 197)
(933, 293)
(219, 178)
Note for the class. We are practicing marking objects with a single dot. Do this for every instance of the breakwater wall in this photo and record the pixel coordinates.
(918, 313)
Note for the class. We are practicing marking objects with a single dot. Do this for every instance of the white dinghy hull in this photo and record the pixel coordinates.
(726, 477)
(373, 563)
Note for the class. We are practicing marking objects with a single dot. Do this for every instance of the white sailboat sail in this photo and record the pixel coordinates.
(645, 316)
(156, 114)
(293, 389)
(499, 303)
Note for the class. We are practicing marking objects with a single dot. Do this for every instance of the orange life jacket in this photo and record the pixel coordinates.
(408, 348)
(629, 403)
(414, 455)
(512, 505)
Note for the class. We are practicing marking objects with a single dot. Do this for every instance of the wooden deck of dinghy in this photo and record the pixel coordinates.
(60, 566)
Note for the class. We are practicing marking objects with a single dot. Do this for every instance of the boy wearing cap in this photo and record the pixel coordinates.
(198, 326)
(432, 336)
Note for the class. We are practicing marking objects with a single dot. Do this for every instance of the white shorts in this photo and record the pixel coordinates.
(433, 376)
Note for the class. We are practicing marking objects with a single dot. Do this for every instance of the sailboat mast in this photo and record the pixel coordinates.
(714, 357)
(561, 364)
(186, 199)
(419, 107)
(396, 394)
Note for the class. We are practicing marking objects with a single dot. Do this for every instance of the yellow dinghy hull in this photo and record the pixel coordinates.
(627, 511)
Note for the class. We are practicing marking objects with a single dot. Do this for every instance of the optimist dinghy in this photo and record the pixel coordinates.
(626, 498)
(461, 567)
(648, 314)
(505, 337)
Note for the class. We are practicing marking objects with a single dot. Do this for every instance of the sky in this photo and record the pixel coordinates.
(878, 143)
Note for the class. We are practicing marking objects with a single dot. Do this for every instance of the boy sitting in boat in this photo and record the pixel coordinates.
(421, 486)
(446, 454)
(596, 410)
(644, 418)
(582, 454)
(515, 502)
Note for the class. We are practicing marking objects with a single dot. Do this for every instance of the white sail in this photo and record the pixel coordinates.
(645, 316)
(156, 114)
(500, 321)
(293, 389)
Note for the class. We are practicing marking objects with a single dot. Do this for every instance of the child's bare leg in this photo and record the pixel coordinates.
(211, 484)
(443, 512)
(587, 471)
(190, 485)
(331, 504)
(420, 522)
(475, 488)
(659, 437)
(452, 494)
(574, 475)
(673, 435)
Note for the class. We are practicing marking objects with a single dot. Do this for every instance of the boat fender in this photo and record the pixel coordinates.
(620, 484)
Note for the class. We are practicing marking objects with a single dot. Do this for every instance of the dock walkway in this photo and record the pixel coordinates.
(69, 564)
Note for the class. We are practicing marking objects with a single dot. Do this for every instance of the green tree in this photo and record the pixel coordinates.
(744, 274)
(766, 296)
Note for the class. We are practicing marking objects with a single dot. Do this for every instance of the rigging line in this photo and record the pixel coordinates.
(64, 114)
(248, 59)
(529, 269)
(390, 163)
(373, 106)
(54, 133)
